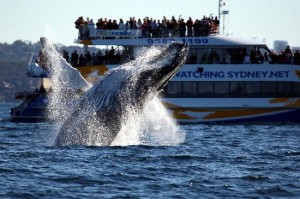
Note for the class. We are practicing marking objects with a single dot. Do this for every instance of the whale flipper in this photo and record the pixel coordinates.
(54, 63)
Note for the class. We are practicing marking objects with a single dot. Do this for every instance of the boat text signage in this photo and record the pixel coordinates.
(159, 41)
(227, 75)
(114, 33)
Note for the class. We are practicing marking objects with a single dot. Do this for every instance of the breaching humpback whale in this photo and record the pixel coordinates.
(97, 117)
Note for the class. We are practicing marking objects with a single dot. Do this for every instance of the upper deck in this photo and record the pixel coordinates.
(149, 31)
(133, 39)
(206, 45)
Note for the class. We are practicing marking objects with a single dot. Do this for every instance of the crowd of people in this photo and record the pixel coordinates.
(150, 27)
(89, 59)
(240, 56)
(233, 56)
(286, 56)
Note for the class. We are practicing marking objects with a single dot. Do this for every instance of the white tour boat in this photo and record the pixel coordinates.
(225, 79)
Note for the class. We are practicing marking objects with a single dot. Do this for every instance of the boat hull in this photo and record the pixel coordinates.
(233, 110)
(224, 116)
(192, 115)
(31, 110)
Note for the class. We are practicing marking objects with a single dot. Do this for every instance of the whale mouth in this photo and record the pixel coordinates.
(176, 54)
(160, 68)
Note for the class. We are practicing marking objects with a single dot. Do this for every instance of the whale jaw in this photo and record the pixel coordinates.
(167, 64)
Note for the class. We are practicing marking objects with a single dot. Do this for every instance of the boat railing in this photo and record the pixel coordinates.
(115, 59)
(100, 34)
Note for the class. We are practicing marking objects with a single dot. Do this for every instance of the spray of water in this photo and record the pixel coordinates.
(66, 86)
(151, 126)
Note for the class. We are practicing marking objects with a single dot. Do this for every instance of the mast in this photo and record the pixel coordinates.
(221, 4)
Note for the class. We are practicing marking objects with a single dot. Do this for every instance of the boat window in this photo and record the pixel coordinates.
(284, 89)
(268, 89)
(206, 89)
(221, 89)
(224, 55)
(211, 56)
(232, 89)
(296, 89)
(174, 89)
(237, 89)
(189, 89)
(192, 56)
(252, 89)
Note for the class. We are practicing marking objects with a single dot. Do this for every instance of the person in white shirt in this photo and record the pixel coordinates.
(91, 24)
(247, 59)
(121, 25)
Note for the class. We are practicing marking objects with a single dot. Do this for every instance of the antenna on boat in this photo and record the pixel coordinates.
(224, 12)
(221, 4)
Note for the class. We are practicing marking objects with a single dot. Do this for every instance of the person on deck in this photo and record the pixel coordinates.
(74, 58)
(247, 59)
(190, 25)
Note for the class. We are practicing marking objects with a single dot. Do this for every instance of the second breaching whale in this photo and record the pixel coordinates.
(102, 110)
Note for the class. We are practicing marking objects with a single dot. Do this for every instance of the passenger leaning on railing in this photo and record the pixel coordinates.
(139, 24)
(182, 28)
(288, 53)
(164, 28)
(286, 56)
(121, 25)
(297, 57)
(145, 28)
(189, 25)
(79, 24)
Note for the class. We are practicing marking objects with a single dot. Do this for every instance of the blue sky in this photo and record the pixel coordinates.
(261, 19)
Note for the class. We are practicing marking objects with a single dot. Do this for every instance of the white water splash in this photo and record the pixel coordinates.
(152, 126)
(67, 82)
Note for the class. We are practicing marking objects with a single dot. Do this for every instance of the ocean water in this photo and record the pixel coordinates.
(214, 161)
